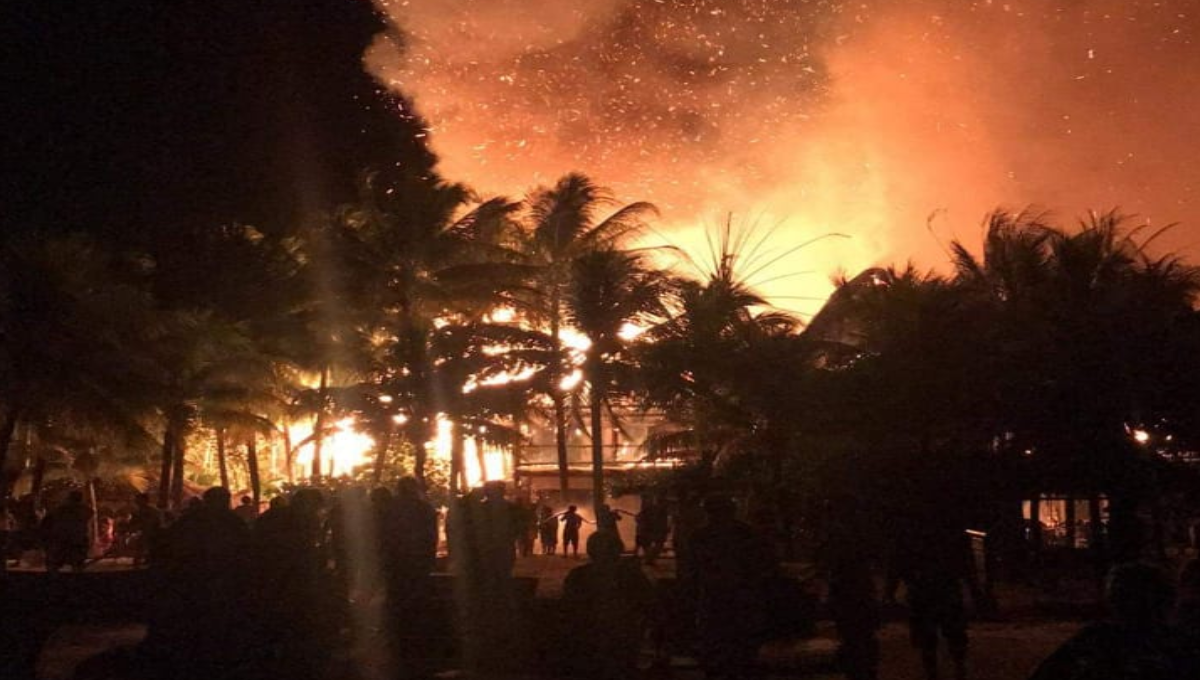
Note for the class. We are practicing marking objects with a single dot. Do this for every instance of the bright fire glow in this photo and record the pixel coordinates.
(346, 449)
(630, 331)
(899, 123)
(495, 459)
(342, 451)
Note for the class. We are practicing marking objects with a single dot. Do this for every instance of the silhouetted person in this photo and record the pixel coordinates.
(571, 521)
(652, 527)
(1187, 633)
(728, 573)
(408, 540)
(25, 526)
(65, 534)
(688, 519)
(526, 526)
(547, 530)
(146, 526)
(203, 592)
(247, 510)
(292, 587)
(607, 519)
(381, 501)
(606, 605)
(932, 559)
(1134, 643)
(482, 547)
(852, 598)
(496, 532)
(347, 515)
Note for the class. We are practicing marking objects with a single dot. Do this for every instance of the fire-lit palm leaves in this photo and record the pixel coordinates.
(610, 290)
(421, 257)
(701, 365)
(566, 223)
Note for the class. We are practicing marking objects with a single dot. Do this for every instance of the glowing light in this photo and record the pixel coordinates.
(1141, 436)
(571, 381)
(503, 315)
(495, 458)
(573, 339)
(342, 450)
(630, 331)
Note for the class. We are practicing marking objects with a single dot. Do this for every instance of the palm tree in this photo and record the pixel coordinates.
(1083, 320)
(205, 360)
(422, 256)
(566, 223)
(609, 290)
(694, 365)
(75, 327)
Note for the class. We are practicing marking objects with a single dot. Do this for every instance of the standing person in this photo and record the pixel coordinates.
(571, 521)
(852, 598)
(547, 530)
(408, 540)
(606, 603)
(1187, 632)
(65, 533)
(203, 574)
(1135, 642)
(145, 523)
(293, 587)
(525, 524)
(247, 511)
(651, 530)
(688, 519)
(933, 559)
(728, 573)
(496, 532)
(491, 622)
(607, 519)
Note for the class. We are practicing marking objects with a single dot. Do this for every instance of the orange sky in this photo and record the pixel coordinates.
(897, 123)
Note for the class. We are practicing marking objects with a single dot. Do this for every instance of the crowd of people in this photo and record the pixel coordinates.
(242, 594)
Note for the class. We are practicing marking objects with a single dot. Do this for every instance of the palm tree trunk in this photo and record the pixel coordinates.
(8, 425)
(180, 459)
(425, 426)
(39, 478)
(168, 465)
(252, 468)
(517, 452)
(95, 520)
(222, 467)
(457, 480)
(597, 409)
(289, 453)
(481, 459)
(381, 450)
(560, 441)
(420, 455)
(319, 424)
(559, 399)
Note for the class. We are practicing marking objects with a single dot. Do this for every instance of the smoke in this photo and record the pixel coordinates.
(898, 123)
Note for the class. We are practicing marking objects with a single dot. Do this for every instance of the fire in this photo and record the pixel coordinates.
(347, 450)
(898, 123)
(495, 459)
(342, 451)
